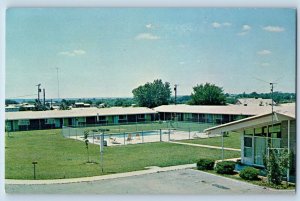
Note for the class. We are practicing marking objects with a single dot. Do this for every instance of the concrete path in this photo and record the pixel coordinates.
(182, 181)
(206, 146)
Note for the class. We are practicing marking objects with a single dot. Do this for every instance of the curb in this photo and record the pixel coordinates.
(150, 170)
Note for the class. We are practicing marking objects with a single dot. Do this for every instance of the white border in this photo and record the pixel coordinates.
(121, 3)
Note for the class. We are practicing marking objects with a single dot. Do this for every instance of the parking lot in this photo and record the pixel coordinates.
(183, 181)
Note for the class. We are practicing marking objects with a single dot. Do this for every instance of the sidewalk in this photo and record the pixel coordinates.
(206, 146)
(152, 169)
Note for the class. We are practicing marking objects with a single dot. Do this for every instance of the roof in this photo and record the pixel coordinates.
(78, 112)
(214, 109)
(283, 112)
(254, 101)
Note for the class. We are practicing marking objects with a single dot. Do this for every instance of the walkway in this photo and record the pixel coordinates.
(152, 169)
(206, 146)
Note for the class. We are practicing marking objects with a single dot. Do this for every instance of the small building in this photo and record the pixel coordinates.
(254, 102)
(35, 120)
(264, 131)
(12, 108)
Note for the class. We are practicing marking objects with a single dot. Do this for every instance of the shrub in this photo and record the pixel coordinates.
(225, 167)
(205, 164)
(249, 173)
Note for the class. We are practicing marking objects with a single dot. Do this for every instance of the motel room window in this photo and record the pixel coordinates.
(102, 118)
(49, 121)
(141, 116)
(122, 117)
(23, 122)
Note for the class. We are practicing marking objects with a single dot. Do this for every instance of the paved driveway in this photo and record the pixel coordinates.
(184, 181)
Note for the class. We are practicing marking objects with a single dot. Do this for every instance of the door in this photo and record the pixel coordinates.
(259, 150)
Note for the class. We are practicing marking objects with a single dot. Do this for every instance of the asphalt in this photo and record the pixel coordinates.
(171, 182)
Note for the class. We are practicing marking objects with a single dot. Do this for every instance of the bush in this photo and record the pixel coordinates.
(249, 173)
(205, 164)
(225, 167)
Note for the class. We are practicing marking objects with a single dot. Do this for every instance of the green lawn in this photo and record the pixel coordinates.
(60, 157)
(232, 141)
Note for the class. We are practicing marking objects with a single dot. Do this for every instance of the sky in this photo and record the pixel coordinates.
(108, 52)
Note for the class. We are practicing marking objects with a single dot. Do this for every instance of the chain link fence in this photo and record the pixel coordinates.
(135, 133)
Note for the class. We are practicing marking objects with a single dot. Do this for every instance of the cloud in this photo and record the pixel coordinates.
(147, 36)
(246, 27)
(182, 63)
(220, 25)
(149, 26)
(73, 53)
(264, 52)
(245, 30)
(273, 28)
(216, 25)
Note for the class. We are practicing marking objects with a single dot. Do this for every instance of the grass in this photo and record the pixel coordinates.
(232, 141)
(60, 157)
(260, 182)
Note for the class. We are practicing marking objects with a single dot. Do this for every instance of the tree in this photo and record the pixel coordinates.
(152, 94)
(208, 94)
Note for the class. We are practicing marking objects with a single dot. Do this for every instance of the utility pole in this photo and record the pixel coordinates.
(175, 90)
(44, 101)
(39, 90)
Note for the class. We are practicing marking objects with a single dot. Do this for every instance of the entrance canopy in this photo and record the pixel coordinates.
(255, 121)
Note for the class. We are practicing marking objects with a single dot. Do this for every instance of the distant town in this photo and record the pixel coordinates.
(14, 105)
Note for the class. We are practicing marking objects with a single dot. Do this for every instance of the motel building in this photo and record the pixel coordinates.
(36, 120)
(208, 113)
(262, 132)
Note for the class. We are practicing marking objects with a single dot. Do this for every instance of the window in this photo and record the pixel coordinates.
(49, 121)
(260, 132)
(249, 131)
(141, 116)
(122, 117)
(23, 122)
(275, 131)
(247, 146)
(101, 118)
(248, 142)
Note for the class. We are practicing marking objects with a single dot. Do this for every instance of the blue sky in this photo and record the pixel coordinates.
(108, 52)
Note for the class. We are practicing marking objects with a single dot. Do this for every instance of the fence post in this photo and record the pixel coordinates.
(189, 133)
(69, 131)
(169, 134)
(93, 137)
(76, 133)
(222, 146)
(160, 139)
(142, 136)
(124, 138)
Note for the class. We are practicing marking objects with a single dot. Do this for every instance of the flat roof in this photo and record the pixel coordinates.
(215, 109)
(77, 112)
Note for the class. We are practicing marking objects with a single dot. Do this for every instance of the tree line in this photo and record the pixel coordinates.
(156, 93)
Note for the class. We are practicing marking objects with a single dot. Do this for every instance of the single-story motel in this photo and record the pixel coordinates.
(36, 120)
(257, 125)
